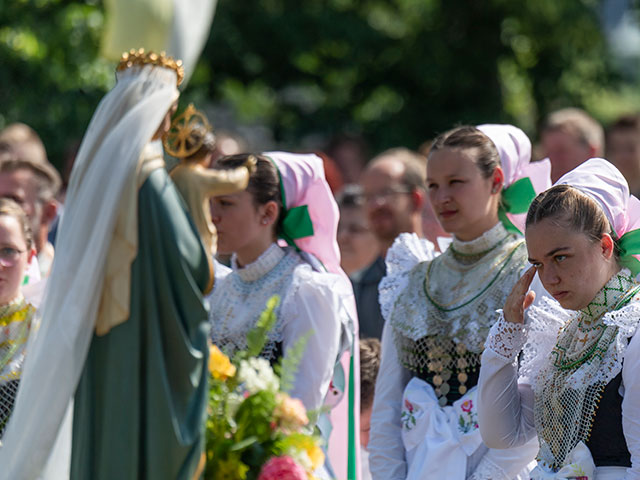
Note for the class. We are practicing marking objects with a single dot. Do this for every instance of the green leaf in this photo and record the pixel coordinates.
(257, 337)
(241, 445)
(289, 363)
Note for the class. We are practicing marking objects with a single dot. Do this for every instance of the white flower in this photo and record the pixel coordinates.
(256, 375)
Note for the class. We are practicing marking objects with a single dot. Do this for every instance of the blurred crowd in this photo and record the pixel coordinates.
(380, 195)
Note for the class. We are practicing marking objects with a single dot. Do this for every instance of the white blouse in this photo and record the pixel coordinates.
(506, 398)
(313, 303)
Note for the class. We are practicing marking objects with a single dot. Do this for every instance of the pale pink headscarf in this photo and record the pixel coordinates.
(603, 182)
(303, 182)
(514, 148)
(304, 185)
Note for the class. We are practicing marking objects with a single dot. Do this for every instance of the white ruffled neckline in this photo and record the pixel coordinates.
(404, 303)
(541, 335)
(266, 262)
(484, 242)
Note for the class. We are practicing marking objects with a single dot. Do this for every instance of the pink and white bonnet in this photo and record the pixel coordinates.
(523, 179)
(310, 215)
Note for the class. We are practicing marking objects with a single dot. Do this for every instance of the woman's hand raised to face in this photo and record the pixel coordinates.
(520, 298)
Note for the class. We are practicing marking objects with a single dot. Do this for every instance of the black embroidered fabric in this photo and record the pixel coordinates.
(607, 443)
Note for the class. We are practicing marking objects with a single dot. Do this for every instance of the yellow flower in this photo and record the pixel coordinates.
(219, 364)
(308, 445)
(316, 455)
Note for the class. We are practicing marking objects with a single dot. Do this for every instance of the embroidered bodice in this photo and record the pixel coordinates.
(238, 300)
(569, 358)
(441, 307)
(587, 355)
(15, 325)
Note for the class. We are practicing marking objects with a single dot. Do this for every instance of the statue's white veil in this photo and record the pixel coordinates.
(123, 124)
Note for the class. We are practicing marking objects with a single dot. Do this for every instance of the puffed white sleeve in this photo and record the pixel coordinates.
(386, 450)
(631, 405)
(316, 307)
(505, 408)
(505, 396)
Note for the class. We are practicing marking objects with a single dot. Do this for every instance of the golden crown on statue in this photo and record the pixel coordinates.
(140, 58)
(179, 141)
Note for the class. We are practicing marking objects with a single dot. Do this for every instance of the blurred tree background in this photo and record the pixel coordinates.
(396, 71)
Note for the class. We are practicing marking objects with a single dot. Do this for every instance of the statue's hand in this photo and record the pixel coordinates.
(251, 163)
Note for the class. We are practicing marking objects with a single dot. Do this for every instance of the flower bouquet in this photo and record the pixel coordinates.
(256, 431)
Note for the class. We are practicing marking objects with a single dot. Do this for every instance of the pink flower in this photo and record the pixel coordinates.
(282, 468)
(467, 406)
(408, 405)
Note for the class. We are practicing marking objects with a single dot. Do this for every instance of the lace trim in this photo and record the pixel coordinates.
(484, 243)
(235, 304)
(543, 322)
(261, 266)
(626, 321)
(506, 338)
(487, 470)
(406, 252)
(587, 354)
(404, 303)
(548, 317)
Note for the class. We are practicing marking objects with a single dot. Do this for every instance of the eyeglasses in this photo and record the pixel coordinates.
(385, 195)
(9, 256)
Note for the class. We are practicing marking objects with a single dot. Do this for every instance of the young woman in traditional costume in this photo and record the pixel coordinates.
(438, 310)
(288, 198)
(577, 388)
(124, 327)
(16, 313)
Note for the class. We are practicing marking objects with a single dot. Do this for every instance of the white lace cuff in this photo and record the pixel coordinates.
(506, 338)
(487, 470)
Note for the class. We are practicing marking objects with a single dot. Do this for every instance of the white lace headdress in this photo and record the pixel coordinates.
(121, 127)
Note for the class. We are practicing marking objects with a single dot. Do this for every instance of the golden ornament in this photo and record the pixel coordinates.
(141, 58)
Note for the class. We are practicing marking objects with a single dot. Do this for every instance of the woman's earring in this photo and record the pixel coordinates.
(265, 221)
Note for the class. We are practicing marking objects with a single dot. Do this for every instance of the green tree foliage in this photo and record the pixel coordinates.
(397, 71)
(52, 77)
(400, 71)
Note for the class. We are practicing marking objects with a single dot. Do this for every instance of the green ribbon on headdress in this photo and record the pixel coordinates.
(629, 245)
(516, 198)
(295, 222)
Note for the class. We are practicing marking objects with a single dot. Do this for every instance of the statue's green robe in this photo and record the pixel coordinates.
(141, 402)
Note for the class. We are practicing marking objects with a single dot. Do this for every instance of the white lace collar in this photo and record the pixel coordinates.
(487, 241)
(588, 354)
(261, 266)
(487, 281)
(547, 318)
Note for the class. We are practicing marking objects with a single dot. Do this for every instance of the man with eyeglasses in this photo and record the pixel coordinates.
(393, 187)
